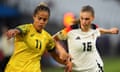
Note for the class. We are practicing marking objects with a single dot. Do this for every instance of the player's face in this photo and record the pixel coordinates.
(40, 20)
(86, 18)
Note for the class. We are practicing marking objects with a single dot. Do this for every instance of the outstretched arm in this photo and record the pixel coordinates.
(12, 33)
(113, 30)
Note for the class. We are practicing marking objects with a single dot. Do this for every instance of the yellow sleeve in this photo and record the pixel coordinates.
(51, 44)
(23, 28)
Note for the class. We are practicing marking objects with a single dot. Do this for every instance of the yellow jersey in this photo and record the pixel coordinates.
(29, 47)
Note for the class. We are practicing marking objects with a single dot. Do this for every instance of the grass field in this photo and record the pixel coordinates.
(110, 65)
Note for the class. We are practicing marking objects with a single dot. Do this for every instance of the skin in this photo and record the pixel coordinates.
(86, 18)
(40, 20)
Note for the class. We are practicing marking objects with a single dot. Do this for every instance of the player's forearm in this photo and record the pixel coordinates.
(113, 30)
(61, 51)
(105, 31)
(57, 58)
(60, 48)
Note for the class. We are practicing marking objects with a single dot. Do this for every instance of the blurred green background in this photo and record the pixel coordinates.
(111, 64)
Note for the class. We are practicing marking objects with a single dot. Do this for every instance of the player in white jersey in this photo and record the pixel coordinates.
(82, 48)
(82, 43)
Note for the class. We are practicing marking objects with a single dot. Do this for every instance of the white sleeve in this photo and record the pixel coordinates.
(61, 35)
(98, 34)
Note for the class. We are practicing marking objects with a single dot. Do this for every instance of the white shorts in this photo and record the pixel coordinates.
(97, 68)
(90, 70)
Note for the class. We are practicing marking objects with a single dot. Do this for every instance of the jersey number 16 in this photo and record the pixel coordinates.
(87, 46)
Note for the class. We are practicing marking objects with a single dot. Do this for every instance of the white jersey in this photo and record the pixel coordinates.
(82, 48)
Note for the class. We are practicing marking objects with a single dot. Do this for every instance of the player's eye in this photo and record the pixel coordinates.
(85, 18)
(39, 18)
(44, 19)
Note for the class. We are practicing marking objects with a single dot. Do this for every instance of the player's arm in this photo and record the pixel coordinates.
(12, 33)
(109, 31)
(22, 29)
(68, 67)
(66, 59)
(61, 50)
(56, 50)
(113, 30)
(67, 62)
(59, 53)
(56, 56)
(61, 35)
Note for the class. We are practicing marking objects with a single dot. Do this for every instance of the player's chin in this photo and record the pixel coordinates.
(39, 29)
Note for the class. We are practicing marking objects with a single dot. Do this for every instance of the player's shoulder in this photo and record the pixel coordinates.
(45, 33)
(24, 25)
(74, 31)
(28, 25)
(94, 26)
(94, 31)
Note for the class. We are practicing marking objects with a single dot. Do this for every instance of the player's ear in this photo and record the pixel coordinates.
(33, 17)
(92, 18)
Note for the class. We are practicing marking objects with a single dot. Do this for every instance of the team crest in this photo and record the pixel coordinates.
(77, 38)
(32, 35)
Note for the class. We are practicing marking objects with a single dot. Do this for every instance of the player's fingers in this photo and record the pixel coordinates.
(66, 69)
(117, 31)
(10, 34)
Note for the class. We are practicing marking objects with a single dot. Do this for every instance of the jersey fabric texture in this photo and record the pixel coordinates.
(82, 47)
(29, 47)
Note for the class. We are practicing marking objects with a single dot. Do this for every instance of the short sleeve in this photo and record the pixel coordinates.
(23, 28)
(51, 44)
(98, 34)
(62, 35)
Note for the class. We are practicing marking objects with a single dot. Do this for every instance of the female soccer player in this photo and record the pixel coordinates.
(82, 43)
(31, 41)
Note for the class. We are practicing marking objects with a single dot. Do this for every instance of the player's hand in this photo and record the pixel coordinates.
(114, 30)
(11, 33)
(68, 67)
(64, 55)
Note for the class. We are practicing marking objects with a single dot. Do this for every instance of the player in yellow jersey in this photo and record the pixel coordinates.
(31, 41)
